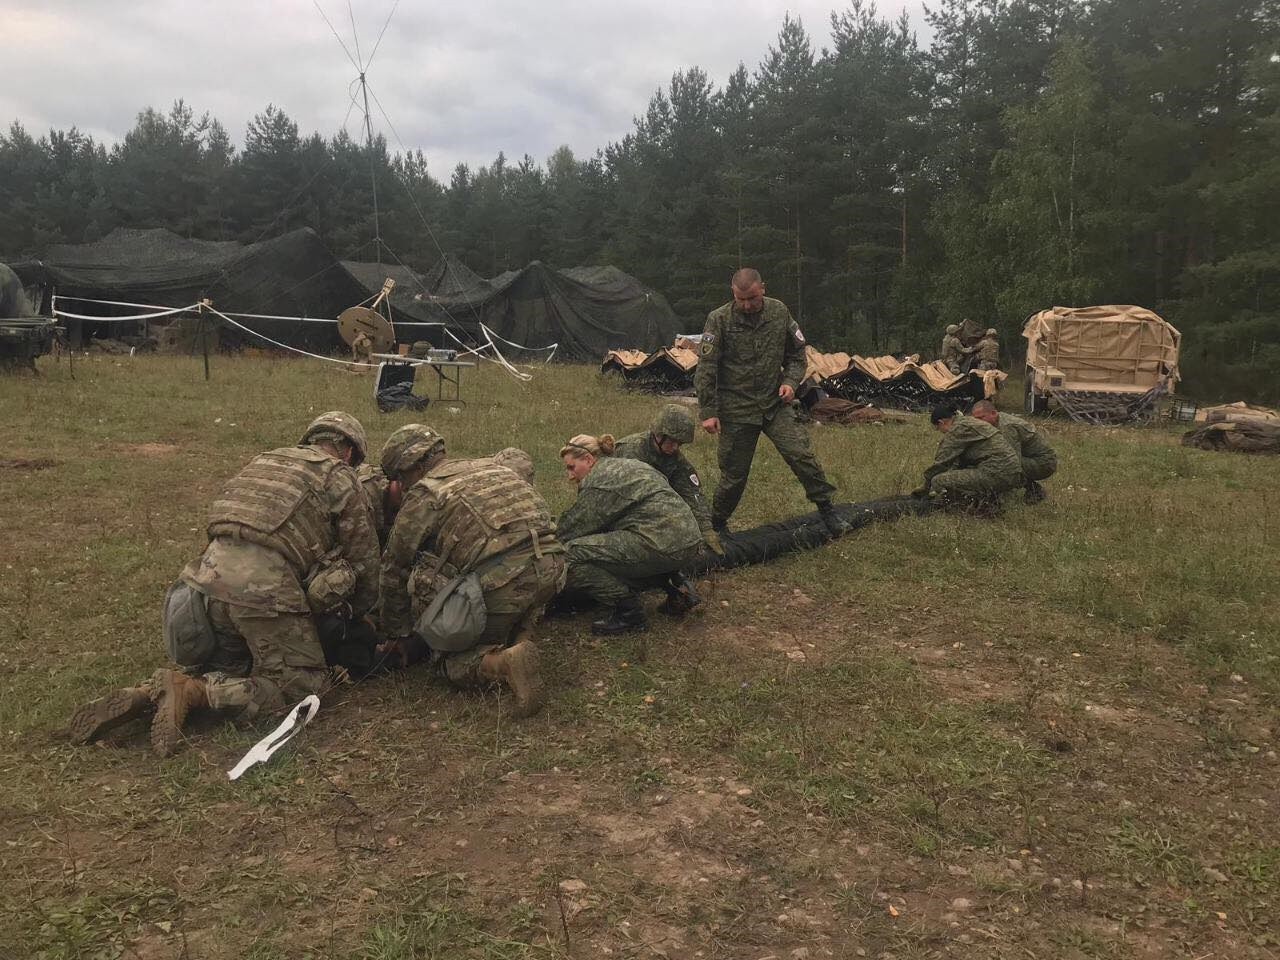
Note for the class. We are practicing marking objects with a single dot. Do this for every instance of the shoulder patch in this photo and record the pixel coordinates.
(708, 345)
(799, 334)
(693, 478)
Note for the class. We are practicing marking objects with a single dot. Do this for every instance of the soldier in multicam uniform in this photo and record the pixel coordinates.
(626, 528)
(751, 362)
(460, 517)
(1039, 461)
(974, 466)
(988, 350)
(290, 538)
(952, 349)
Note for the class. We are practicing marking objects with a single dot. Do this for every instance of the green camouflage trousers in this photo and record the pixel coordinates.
(1039, 468)
(738, 448)
(607, 567)
(512, 611)
(969, 483)
(263, 661)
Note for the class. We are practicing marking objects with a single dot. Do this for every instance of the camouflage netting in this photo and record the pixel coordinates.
(294, 275)
(761, 544)
(588, 311)
(1243, 436)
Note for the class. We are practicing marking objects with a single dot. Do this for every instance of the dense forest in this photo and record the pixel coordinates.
(1036, 152)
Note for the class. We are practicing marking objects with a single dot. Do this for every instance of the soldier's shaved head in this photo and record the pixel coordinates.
(986, 410)
(746, 278)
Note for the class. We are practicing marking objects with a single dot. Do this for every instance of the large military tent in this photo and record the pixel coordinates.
(588, 311)
(293, 276)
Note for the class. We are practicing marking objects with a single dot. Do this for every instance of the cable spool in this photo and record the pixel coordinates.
(372, 324)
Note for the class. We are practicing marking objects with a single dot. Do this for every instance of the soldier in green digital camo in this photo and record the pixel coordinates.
(974, 466)
(952, 349)
(659, 447)
(291, 538)
(459, 518)
(751, 360)
(626, 529)
(1039, 461)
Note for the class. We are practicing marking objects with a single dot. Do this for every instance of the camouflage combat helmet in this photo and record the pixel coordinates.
(336, 426)
(992, 332)
(407, 447)
(674, 421)
(517, 461)
(953, 328)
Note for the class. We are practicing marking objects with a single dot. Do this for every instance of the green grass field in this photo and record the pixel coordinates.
(1050, 735)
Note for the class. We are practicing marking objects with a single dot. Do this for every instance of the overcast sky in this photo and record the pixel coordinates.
(460, 80)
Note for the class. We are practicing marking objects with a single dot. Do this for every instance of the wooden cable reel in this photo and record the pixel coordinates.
(370, 322)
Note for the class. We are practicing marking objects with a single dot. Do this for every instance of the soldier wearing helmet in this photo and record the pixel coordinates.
(471, 562)
(988, 350)
(660, 448)
(952, 349)
(291, 539)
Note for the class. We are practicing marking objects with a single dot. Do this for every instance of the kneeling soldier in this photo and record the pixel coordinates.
(1039, 461)
(973, 466)
(471, 562)
(290, 538)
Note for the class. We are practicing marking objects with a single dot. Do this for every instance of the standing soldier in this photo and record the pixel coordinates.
(290, 539)
(952, 349)
(751, 362)
(973, 466)
(1039, 461)
(989, 351)
(476, 521)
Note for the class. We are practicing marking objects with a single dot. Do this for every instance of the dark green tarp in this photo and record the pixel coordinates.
(588, 311)
(294, 275)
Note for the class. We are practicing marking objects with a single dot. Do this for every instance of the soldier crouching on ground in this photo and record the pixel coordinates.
(470, 565)
(290, 539)
(1039, 461)
(659, 447)
(973, 467)
(626, 529)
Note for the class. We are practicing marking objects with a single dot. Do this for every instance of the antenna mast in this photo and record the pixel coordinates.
(373, 178)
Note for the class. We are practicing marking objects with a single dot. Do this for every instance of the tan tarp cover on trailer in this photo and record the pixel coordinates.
(1236, 412)
(1115, 347)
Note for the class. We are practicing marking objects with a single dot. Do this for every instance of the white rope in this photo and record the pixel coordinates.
(157, 311)
(493, 336)
(285, 346)
(247, 316)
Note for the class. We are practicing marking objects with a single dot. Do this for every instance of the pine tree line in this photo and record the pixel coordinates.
(1038, 152)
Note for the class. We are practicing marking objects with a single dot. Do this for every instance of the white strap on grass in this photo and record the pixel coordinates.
(264, 749)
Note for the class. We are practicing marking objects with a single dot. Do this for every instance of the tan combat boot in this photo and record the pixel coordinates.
(99, 717)
(176, 694)
(517, 667)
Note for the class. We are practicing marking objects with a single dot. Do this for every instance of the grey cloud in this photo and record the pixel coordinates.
(461, 81)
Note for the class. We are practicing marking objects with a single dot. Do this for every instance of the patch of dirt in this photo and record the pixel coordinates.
(22, 463)
(150, 449)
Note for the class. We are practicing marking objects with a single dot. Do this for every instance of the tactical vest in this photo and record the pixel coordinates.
(278, 501)
(487, 510)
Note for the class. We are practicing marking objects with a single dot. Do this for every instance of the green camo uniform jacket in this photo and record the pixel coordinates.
(676, 468)
(744, 359)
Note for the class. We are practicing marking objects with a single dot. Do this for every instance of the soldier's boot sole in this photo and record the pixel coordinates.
(175, 695)
(524, 677)
(99, 717)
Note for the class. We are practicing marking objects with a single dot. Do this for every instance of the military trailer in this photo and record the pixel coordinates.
(23, 336)
(1105, 364)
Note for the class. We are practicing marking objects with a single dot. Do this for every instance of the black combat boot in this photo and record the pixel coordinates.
(1035, 493)
(836, 525)
(626, 617)
(682, 596)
